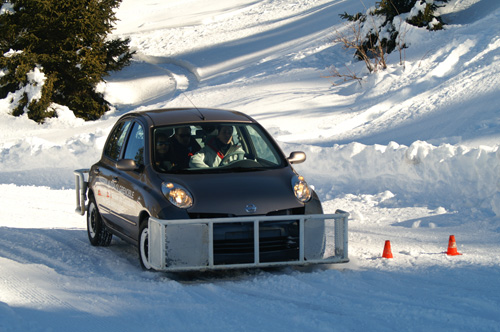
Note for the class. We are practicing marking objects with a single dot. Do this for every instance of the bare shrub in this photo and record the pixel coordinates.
(373, 55)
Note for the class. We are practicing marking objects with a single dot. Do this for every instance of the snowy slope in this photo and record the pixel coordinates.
(411, 152)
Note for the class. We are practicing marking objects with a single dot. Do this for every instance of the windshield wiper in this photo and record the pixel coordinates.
(246, 169)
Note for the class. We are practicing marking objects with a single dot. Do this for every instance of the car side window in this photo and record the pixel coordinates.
(135, 145)
(116, 140)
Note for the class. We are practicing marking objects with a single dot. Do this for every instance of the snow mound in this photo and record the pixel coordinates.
(454, 176)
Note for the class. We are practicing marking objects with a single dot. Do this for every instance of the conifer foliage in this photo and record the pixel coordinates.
(58, 52)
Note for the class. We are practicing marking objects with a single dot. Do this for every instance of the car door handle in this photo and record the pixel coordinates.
(97, 171)
(115, 180)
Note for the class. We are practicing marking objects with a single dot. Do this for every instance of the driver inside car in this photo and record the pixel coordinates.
(216, 149)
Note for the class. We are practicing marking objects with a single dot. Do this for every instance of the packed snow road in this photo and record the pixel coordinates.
(52, 279)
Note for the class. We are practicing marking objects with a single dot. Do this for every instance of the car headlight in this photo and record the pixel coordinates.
(177, 195)
(301, 189)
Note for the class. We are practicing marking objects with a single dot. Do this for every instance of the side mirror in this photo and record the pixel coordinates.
(126, 165)
(297, 157)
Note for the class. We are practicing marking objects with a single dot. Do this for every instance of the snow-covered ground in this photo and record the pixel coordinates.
(412, 153)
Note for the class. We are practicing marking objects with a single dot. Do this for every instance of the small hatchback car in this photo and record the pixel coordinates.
(203, 189)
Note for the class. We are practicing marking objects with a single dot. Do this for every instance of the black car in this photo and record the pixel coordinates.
(202, 188)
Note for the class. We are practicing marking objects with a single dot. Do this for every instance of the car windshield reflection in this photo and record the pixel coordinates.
(214, 147)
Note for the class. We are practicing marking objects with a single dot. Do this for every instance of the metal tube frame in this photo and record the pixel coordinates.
(340, 228)
(81, 190)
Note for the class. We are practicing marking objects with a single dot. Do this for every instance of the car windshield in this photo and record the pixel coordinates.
(214, 147)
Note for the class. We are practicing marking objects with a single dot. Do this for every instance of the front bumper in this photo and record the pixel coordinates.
(184, 245)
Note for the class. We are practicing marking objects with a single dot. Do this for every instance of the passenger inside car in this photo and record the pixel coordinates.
(162, 148)
(216, 148)
(182, 147)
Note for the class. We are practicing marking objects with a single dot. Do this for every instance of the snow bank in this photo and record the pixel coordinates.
(456, 177)
(36, 161)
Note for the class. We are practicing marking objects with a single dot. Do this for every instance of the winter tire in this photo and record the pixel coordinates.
(144, 245)
(96, 230)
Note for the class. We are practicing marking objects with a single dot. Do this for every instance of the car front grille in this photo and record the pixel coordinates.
(247, 246)
(234, 242)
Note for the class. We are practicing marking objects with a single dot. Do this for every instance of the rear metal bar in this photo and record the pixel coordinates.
(81, 190)
(341, 237)
(173, 249)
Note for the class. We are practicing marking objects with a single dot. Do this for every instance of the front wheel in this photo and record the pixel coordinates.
(144, 246)
(96, 230)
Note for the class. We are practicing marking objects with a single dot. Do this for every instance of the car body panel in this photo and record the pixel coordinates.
(268, 190)
(163, 117)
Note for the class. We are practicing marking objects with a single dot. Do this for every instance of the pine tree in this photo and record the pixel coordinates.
(69, 41)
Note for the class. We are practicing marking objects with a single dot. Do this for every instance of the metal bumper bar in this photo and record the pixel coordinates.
(184, 245)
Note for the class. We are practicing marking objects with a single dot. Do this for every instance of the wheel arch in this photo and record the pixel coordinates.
(143, 217)
(90, 194)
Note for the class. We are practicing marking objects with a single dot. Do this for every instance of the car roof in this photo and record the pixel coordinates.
(172, 116)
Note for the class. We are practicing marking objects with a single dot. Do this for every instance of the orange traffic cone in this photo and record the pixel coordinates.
(387, 250)
(452, 247)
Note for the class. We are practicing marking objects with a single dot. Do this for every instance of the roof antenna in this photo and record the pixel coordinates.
(201, 114)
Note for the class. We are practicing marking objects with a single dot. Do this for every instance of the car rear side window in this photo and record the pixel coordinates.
(116, 140)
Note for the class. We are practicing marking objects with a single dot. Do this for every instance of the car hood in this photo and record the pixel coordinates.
(231, 193)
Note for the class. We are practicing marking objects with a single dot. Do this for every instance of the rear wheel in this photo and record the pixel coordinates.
(144, 245)
(96, 230)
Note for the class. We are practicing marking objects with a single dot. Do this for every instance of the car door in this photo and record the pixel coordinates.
(127, 199)
(104, 186)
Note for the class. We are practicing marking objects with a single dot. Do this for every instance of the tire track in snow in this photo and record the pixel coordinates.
(34, 291)
(184, 74)
(19, 291)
